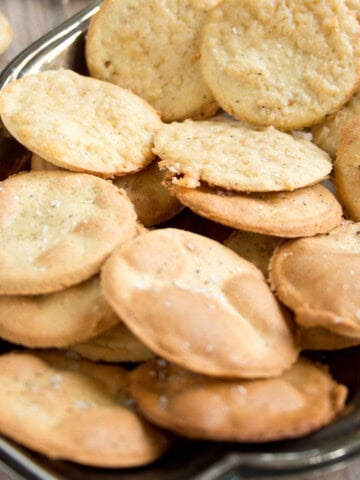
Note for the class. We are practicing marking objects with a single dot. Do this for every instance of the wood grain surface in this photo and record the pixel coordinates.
(31, 19)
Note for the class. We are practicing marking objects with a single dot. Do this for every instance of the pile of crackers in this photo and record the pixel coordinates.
(197, 115)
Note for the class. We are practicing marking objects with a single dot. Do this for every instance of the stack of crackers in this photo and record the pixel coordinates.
(92, 274)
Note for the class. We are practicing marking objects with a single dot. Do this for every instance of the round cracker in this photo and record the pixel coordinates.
(74, 410)
(305, 398)
(58, 319)
(319, 278)
(235, 157)
(355, 6)
(57, 228)
(152, 202)
(115, 345)
(303, 212)
(347, 170)
(80, 123)
(153, 49)
(255, 248)
(6, 33)
(327, 135)
(318, 338)
(287, 65)
(197, 303)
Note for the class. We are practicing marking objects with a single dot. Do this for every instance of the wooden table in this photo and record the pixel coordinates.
(30, 20)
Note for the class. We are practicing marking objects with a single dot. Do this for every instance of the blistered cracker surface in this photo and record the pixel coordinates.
(74, 410)
(56, 320)
(197, 303)
(80, 123)
(57, 228)
(319, 278)
(301, 400)
(231, 156)
(347, 170)
(152, 48)
(283, 64)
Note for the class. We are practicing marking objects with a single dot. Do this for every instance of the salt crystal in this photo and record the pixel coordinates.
(163, 401)
(55, 203)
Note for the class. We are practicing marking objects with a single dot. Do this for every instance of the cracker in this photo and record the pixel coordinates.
(347, 170)
(354, 5)
(318, 338)
(58, 319)
(327, 135)
(197, 303)
(287, 65)
(319, 278)
(115, 345)
(6, 33)
(74, 410)
(153, 202)
(57, 228)
(39, 164)
(232, 156)
(305, 398)
(152, 48)
(80, 123)
(255, 248)
(303, 212)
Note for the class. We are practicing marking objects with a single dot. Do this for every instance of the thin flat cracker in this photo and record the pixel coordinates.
(197, 303)
(319, 278)
(57, 228)
(56, 320)
(80, 123)
(74, 410)
(152, 48)
(347, 170)
(303, 212)
(305, 398)
(283, 64)
(235, 157)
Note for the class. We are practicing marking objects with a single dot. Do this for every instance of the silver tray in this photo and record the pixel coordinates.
(327, 449)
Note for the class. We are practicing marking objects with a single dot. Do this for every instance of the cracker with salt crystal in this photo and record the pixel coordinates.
(80, 123)
(302, 400)
(74, 410)
(197, 303)
(57, 228)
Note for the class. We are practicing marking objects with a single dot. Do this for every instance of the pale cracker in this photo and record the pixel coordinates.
(303, 399)
(74, 410)
(197, 303)
(57, 228)
(254, 247)
(319, 278)
(80, 123)
(152, 48)
(115, 345)
(287, 65)
(232, 156)
(347, 170)
(303, 212)
(58, 319)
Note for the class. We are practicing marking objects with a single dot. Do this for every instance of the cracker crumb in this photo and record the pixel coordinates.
(163, 401)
